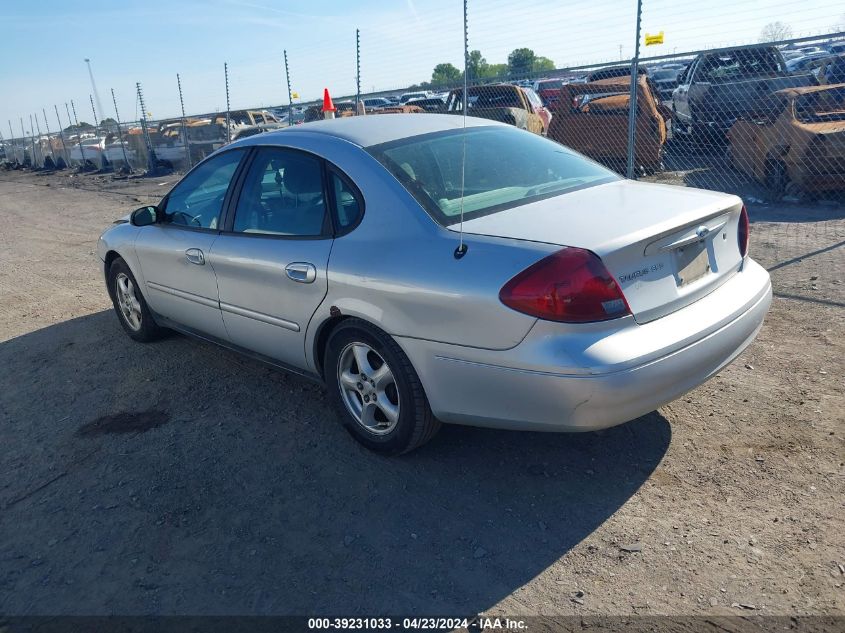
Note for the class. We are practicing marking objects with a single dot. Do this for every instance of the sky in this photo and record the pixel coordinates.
(43, 45)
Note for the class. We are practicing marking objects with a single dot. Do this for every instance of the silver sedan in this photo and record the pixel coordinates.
(427, 273)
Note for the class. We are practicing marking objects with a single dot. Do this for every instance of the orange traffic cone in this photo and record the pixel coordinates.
(328, 106)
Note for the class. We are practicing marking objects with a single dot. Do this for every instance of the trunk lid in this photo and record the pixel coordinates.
(666, 246)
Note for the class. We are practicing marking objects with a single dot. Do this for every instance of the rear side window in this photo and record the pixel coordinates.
(504, 168)
(347, 200)
(282, 195)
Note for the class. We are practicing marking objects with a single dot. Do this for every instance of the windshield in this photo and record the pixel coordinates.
(821, 106)
(505, 167)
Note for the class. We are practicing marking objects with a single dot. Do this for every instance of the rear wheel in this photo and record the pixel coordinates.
(376, 391)
(776, 179)
(129, 304)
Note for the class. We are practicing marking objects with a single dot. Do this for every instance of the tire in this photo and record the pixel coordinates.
(355, 345)
(776, 179)
(134, 316)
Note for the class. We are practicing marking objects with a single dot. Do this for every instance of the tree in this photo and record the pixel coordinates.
(476, 65)
(445, 74)
(542, 64)
(107, 122)
(521, 62)
(775, 31)
(495, 71)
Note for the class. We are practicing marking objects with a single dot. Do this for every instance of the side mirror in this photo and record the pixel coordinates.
(144, 216)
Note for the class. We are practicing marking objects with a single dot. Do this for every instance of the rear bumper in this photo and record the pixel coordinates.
(592, 376)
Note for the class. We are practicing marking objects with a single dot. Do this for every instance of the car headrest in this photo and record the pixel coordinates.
(302, 177)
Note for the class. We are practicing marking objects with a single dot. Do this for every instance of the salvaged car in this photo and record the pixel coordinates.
(430, 268)
(719, 88)
(506, 103)
(592, 118)
(796, 143)
(208, 133)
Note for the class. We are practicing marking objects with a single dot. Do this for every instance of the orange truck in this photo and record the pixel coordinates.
(592, 118)
(794, 141)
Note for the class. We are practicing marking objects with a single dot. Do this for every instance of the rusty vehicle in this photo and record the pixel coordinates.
(718, 88)
(796, 143)
(503, 102)
(592, 118)
(208, 133)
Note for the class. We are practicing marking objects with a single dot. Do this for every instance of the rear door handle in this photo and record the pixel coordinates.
(195, 256)
(302, 272)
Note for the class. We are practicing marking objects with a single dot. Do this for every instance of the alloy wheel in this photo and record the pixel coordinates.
(368, 388)
(128, 302)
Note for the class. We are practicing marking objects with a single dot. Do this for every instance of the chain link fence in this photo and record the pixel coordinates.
(763, 120)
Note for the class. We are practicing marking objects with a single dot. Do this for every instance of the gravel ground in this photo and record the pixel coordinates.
(176, 478)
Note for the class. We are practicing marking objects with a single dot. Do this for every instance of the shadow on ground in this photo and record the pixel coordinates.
(234, 490)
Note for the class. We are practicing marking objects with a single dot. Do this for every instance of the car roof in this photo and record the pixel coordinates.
(375, 129)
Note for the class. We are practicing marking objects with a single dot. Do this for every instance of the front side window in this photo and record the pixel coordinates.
(282, 195)
(504, 168)
(198, 199)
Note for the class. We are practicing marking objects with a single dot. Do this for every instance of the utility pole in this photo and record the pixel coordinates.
(94, 90)
(632, 101)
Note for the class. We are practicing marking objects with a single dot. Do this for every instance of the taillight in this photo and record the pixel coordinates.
(742, 232)
(571, 286)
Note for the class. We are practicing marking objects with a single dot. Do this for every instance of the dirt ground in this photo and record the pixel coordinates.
(176, 478)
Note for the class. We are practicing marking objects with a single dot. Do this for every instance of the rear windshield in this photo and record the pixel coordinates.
(553, 84)
(739, 64)
(504, 168)
(821, 106)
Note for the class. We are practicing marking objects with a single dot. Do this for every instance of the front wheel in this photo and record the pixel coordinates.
(376, 391)
(130, 305)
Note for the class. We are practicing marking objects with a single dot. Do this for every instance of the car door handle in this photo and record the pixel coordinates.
(302, 272)
(195, 256)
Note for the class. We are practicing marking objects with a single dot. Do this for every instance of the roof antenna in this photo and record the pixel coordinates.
(462, 248)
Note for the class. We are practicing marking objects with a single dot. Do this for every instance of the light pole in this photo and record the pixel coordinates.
(94, 89)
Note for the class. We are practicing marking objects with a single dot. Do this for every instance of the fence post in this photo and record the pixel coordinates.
(23, 143)
(228, 120)
(184, 125)
(62, 135)
(357, 69)
(97, 129)
(120, 132)
(32, 141)
(290, 94)
(151, 156)
(78, 133)
(40, 150)
(49, 140)
(632, 102)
